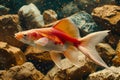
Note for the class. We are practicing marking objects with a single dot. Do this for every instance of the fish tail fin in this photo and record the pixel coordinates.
(87, 46)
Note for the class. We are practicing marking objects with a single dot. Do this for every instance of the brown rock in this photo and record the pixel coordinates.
(108, 16)
(105, 48)
(112, 39)
(10, 56)
(118, 49)
(9, 25)
(24, 72)
(41, 59)
(106, 74)
(57, 74)
(106, 52)
(38, 53)
(70, 72)
(49, 16)
(79, 73)
(116, 60)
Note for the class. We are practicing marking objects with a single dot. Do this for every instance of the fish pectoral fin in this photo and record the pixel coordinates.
(73, 54)
(42, 41)
(56, 57)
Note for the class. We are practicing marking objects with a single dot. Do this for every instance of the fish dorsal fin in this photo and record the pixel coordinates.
(67, 26)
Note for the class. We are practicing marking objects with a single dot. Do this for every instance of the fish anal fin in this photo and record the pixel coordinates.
(67, 26)
(74, 55)
(56, 57)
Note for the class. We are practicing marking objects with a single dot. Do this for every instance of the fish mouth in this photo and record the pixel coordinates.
(15, 36)
(18, 36)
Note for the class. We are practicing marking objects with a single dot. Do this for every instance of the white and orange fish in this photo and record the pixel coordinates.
(64, 36)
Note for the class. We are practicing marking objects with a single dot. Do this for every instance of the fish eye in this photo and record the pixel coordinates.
(25, 35)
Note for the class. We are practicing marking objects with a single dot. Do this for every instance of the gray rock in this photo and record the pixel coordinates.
(84, 22)
(117, 2)
(66, 8)
(30, 17)
(106, 74)
(69, 9)
(13, 5)
(3, 10)
(55, 5)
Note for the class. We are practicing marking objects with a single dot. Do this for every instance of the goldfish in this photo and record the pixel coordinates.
(64, 36)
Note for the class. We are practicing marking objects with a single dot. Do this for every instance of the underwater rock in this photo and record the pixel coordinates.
(106, 74)
(89, 5)
(106, 51)
(69, 9)
(9, 25)
(108, 17)
(71, 72)
(49, 16)
(84, 22)
(13, 5)
(66, 8)
(3, 10)
(117, 2)
(118, 49)
(112, 39)
(30, 17)
(40, 59)
(10, 56)
(56, 5)
(116, 60)
(55, 71)
(27, 71)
